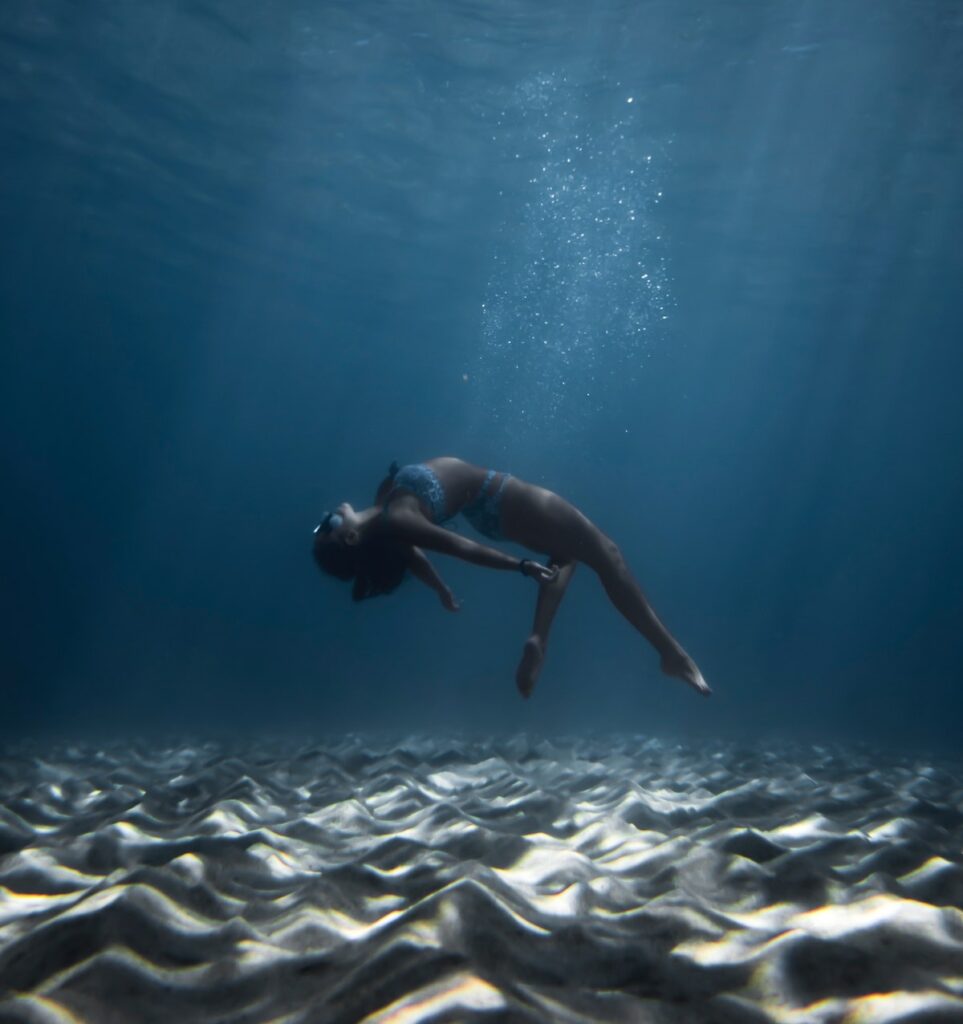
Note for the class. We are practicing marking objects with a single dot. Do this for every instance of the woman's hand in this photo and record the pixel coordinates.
(538, 572)
(448, 600)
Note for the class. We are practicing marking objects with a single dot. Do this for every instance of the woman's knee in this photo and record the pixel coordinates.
(608, 556)
(565, 569)
(565, 572)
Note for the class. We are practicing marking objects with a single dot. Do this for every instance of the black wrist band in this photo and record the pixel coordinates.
(521, 565)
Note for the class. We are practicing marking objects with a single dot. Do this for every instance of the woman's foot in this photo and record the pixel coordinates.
(679, 665)
(533, 655)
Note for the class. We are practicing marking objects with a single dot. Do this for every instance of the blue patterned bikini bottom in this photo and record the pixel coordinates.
(485, 512)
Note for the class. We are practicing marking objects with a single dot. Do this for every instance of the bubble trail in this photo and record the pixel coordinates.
(579, 284)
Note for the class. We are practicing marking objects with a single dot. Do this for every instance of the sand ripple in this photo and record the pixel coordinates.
(437, 880)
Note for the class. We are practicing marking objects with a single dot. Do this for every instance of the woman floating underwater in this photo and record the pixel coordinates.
(376, 546)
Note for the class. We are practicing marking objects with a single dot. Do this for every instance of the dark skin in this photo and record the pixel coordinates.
(535, 518)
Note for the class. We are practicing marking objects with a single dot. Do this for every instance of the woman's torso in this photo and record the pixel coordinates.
(445, 487)
(502, 507)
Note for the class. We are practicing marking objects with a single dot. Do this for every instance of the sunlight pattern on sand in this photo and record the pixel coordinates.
(607, 880)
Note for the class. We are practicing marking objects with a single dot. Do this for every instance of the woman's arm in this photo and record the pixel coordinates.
(423, 569)
(409, 525)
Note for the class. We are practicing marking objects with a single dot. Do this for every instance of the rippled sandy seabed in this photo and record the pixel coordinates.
(615, 879)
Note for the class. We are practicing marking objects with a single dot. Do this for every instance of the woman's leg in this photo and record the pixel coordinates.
(549, 598)
(604, 556)
(543, 521)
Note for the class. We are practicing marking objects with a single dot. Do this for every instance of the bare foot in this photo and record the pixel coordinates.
(529, 666)
(679, 665)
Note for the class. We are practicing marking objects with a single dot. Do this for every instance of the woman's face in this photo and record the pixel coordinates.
(343, 525)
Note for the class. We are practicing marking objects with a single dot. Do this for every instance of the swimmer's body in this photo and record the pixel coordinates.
(377, 545)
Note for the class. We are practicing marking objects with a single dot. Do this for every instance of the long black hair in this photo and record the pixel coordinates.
(377, 566)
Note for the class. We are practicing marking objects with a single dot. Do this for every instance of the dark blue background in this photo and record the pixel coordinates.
(252, 253)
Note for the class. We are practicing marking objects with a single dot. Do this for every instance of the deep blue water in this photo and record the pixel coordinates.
(694, 265)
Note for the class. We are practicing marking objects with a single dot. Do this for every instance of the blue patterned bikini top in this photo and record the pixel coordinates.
(483, 512)
(421, 481)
